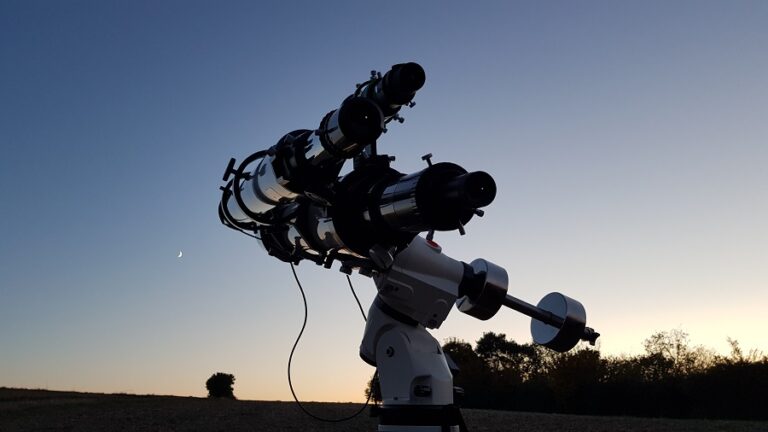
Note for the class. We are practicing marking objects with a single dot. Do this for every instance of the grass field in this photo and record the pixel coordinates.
(40, 410)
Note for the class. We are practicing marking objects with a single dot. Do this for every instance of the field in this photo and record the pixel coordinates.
(39, 410)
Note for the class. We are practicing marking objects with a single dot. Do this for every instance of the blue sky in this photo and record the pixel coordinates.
(628, 141)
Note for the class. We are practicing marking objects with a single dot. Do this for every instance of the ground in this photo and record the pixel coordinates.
(40, 410)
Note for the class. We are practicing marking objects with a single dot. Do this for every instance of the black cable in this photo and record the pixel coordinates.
(349, 281)
(365, 318)
(248, 234)
(290, 357)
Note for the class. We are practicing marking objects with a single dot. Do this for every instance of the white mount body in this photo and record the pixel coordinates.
(417, 292)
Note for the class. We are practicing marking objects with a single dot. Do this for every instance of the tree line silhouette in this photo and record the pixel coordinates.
(671, 378)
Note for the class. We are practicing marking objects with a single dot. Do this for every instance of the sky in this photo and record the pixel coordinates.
(628, 141)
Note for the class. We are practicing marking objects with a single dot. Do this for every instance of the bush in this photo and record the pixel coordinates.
(220, 385)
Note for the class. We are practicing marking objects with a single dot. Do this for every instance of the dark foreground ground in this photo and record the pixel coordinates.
(38, 410)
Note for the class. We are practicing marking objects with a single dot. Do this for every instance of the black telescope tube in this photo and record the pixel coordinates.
(360, 121)
(442, 197)
(345, 131)
(471, 190)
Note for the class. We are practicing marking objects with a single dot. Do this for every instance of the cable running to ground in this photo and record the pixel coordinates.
(298, 338)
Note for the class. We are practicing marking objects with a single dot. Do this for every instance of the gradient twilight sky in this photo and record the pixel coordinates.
(628, 140)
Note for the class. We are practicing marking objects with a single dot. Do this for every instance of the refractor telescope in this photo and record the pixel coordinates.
(292, 198)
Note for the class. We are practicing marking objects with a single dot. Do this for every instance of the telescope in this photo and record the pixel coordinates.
(292, 197)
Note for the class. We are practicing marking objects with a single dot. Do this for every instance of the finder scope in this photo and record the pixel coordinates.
(396, 88)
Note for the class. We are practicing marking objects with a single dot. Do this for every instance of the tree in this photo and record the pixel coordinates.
(373, 390)
(672, 350)
(494, 349)
(464, 356)
(519, 362)
(473, 376)
(574, 376)
(738, 357)
(220, 385)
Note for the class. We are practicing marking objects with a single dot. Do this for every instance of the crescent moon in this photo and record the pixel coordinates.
(180, 254)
